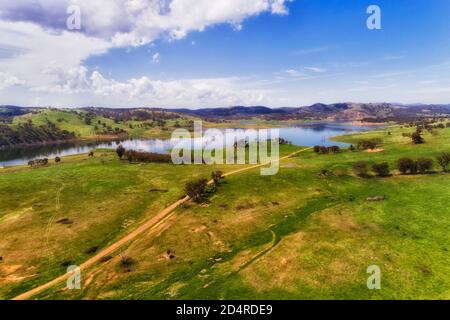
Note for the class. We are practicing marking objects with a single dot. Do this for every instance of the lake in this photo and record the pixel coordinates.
(308, 134)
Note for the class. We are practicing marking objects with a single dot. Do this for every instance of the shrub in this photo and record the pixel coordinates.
(217, 176)
(57, 159)
(381, 169)
(316, 149)
(126, 263)
(444, 161)
(360, 168)
(335, 149)
(196, 190)
(369, 144)
(210, 189)
(324, 150)
(424, 165)
(417, 137)
(405, 165)
(120, 151)
(38, 162)
(414, 168)
(147, 157)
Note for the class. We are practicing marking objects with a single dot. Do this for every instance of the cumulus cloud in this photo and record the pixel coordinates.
(8, 80)
(36, 47)
(40, 57)
(191, 92)
(315, 69)
(138, 22)
(156, 58)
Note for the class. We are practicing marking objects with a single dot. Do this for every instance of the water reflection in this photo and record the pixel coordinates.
(309, 134)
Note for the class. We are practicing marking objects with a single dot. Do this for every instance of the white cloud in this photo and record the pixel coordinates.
(50, 59)
(40, 58)
(8, 80)
(193, 92)
(137, 22)
(316, 69)
(156, 58)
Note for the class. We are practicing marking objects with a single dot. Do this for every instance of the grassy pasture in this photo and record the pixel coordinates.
(295, 235)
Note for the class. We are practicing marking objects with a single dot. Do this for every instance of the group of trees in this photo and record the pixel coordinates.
(369, 144)
(42, 162)
(28, 133)
(361, 168)
(408, 165)
(140, 156)
(282, 141)
(404, 165)
(326, 150)
(200, 189)
(38, 163)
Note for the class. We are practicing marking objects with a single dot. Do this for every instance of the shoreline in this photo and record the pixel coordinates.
(104, 138)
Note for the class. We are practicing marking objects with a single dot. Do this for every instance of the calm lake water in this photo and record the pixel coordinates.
(310, 134)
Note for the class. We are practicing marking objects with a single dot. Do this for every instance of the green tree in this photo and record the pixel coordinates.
(361, 168)
(417, 137)
(196, 189)
(424, 165)
(120, 151)
(217, 176)
(381, 169)
(444, 161)
(405, 164)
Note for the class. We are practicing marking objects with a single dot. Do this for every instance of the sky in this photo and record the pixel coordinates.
(219, 53)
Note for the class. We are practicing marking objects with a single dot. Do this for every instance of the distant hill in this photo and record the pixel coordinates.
(347, 111)
(370, 111)
(319, 111)
(237, 111)
(12, 111)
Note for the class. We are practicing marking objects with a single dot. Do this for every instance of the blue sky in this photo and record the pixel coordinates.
(308, 51)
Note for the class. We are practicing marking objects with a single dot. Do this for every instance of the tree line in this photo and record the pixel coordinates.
(404, 165)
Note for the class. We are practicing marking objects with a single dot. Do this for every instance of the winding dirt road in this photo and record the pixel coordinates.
(152, 223)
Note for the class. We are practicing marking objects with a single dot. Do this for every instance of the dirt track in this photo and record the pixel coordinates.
(152, 223)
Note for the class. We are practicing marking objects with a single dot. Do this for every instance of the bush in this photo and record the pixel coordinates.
(38, 163)
(414, 168)
(57, 159)
(381, 169)
(417, 138)
(335, 149)
(444, 161)
(127, 263)
(196, 190)
(360, 168)
(217, 176)
(326, 150)
(120, 151)
(424, 165)
(369, 144)
(147, 157)
(405, 165)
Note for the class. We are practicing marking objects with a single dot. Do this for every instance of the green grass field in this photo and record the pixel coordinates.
(70, 121)
(296, 235)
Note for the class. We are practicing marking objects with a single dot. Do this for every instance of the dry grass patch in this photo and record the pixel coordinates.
(326, 253)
